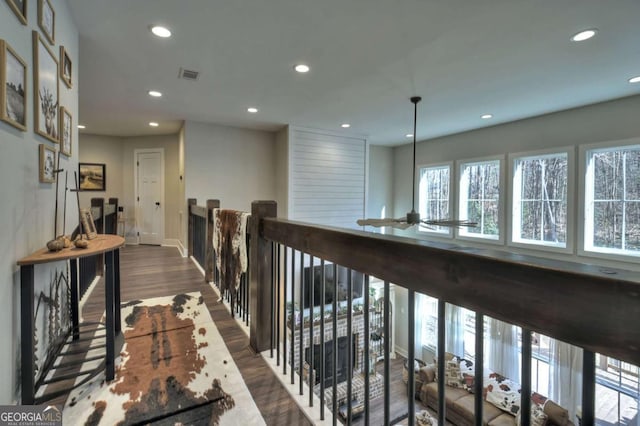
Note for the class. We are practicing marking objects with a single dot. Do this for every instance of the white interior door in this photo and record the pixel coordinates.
(150, 200)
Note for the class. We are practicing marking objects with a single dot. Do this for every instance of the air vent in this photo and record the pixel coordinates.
(188, 74)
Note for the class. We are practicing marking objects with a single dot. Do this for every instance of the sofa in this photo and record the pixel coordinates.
(498, 407)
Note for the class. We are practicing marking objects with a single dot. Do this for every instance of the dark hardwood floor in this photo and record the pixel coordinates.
(151, 271)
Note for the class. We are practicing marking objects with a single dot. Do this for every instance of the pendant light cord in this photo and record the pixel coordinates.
(415, 101)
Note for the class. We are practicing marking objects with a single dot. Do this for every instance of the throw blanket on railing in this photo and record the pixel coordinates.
(230, 245)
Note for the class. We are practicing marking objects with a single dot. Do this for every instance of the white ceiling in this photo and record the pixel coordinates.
(511, 58)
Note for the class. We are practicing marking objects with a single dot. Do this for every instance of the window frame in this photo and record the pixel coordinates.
(571, 200)
(459, 233)
(584, 170)
(448, 231)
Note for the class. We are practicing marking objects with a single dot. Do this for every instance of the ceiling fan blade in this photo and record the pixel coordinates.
(450, 223)
(396, 223)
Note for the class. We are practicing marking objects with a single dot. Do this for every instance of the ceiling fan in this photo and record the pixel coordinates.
(413, 217)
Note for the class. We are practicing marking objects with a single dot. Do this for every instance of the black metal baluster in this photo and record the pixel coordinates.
(525, 394)
(311, 374)
(588, 388)
(441, 343)
(273, 298)
(387, 350)
(284, 311)
(278, 302)
(350, 354)
(293, 315)
(301, 347)
(367, 351)
(322, 354)
(479, 367)
(334, 396)
(411, 358)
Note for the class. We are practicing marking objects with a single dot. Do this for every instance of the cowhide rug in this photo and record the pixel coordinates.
(173, 369)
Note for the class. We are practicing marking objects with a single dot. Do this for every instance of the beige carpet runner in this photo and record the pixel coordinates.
(174, 368)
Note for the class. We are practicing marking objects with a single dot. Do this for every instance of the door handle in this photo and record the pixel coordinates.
(158, 203)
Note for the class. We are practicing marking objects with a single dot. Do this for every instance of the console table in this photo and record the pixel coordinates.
(109, 245)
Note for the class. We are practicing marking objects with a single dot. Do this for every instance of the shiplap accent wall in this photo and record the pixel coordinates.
(326, 178)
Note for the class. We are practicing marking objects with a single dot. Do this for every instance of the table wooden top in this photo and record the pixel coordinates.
(101, 244)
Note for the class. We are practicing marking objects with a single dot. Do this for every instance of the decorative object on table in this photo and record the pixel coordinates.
(13, 93)
(57, 243)
(65, 131)
(79, 242)
(87, 223)
(64, 238)
(189, 378)
(93, 176)
(45, 90)
(47, 20)
(47, 166)
(19, 7)
(66, 67)
(413, 217)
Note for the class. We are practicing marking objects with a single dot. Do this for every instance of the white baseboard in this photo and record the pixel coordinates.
(174, 242)
(402, 352)
(197, 265)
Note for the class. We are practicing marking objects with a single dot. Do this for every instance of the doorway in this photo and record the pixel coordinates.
(149, 195)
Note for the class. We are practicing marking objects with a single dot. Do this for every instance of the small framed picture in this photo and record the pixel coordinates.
(92, 176)
(47, 20)
(47, 164)
(88, 226)
(66, 68)
(45, 88)
(65, 126)
(13, 93)
(19, 7)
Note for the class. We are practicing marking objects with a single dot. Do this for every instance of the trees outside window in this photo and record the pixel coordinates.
(480, 198)
(612, 200)
(540, 186)
(434, 201)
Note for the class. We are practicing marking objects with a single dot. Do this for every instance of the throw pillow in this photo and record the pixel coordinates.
(453, 376)
(503, 393)
(538, 417)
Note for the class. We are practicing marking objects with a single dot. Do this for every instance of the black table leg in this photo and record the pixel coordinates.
(110, 311)
(75, 302)
(116, 290)
(26, 334)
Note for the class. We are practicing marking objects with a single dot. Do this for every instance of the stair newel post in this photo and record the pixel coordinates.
(209, 260)
(261, 252)
(190, 202)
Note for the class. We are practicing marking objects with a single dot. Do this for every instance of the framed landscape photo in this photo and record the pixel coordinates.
(47, 164)
(19, 7)
(93, 176)
(66, 67)
(45, 90)
(13, 93)
(65, 127)
(47, 20)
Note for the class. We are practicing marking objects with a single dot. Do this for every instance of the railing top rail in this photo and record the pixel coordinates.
(589, 306)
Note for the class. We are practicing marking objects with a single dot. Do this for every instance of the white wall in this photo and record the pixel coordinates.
(282, 172)
(381, 178)
(26, 213)
(608, 121)
(236, 166)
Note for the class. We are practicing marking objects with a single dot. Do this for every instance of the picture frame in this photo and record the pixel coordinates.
(93, 176)
(88, 225)
(45, 90)
(47, 20)
(19, 7)
(13, 90)
(66, 131)
(47, 167)
(66, 67)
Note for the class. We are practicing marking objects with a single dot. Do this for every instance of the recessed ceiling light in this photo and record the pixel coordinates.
(302, 68)
(486, 116)
(584, 35)
(153, 124)
(160, 31)
(345, 125)
(252, 110)
(155, 93)
(409, 135)
(635, 79)
(81, 126)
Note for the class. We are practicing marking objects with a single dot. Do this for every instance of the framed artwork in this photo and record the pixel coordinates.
(93, 176)
(88, 226)
(66, 67)
(47, 20)
(47, 164)
(45, 90)
(13, 93)
(65, 131)
(19, 7)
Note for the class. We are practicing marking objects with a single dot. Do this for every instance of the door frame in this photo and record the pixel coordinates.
(136, 152)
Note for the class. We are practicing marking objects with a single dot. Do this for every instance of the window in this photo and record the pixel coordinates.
(480, 198)
(612, 200)
(540, 186)
(434, 196)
